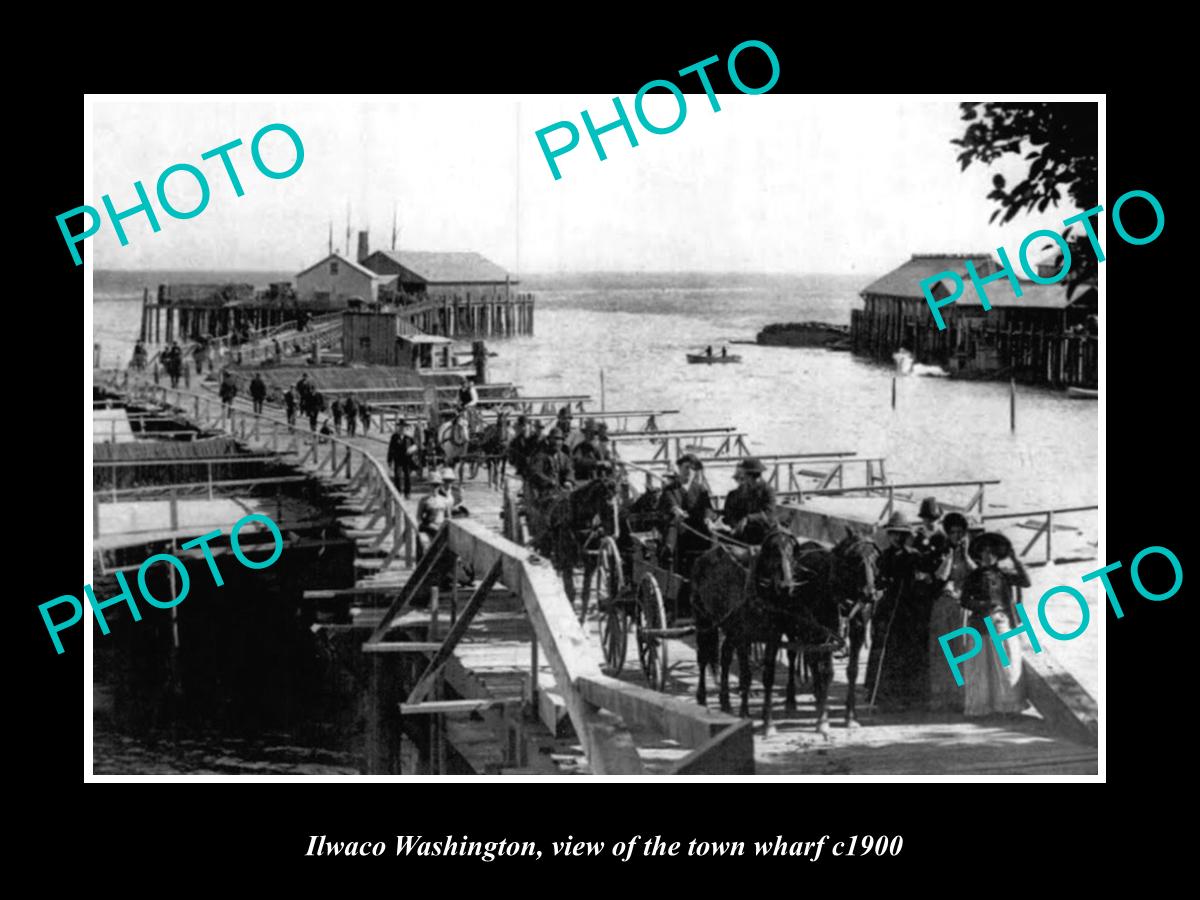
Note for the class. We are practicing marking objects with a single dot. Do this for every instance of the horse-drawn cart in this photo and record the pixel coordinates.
(650, 600)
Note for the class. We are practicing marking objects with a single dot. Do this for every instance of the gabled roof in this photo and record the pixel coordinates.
(341, 259)
(447, 268)
(905, 281)
(1000, 294)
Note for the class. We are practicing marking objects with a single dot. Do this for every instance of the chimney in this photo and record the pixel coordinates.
(364, 247)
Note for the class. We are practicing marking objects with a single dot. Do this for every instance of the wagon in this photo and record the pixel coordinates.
(649, 600)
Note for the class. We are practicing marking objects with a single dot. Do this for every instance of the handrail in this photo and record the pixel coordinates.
(584, 688)
(1046, 528)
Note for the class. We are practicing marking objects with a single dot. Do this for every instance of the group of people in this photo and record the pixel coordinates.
(688, 521)
(936, 578)
(561, 457)
(351, 412)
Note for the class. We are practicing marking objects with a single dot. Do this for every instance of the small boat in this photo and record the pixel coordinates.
(1078, 393)
(709, 360)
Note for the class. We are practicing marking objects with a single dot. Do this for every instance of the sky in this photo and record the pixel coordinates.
(770, 183)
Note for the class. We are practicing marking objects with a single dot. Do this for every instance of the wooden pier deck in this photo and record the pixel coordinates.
(577, 720)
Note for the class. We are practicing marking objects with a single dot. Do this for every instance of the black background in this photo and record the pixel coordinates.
(231, 837)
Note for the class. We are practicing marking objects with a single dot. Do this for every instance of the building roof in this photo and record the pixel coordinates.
(341, 259)
(425, 339)
(905, 281)
(447, 268)
(1000, 294)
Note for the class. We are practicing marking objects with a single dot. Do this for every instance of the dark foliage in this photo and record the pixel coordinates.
(1059, 141)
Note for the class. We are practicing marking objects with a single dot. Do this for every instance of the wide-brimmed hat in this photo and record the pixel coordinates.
(602, 428)
(898, 521)
(447, 475)
(522, 420)
(953, 519)
(691, 459)
(991, 540)
(930, 509)
(553, 433)
(751, 465)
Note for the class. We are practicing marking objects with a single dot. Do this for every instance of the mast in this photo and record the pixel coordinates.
(393, 226)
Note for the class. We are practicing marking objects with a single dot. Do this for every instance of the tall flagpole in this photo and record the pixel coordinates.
(347, 229)
(331, 235)
(393, 226)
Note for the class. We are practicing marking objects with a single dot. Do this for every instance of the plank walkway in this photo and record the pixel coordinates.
(493, 662)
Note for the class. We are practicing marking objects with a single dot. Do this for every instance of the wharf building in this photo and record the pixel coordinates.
(1045, 336)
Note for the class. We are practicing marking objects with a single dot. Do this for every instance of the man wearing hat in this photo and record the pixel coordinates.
(551, 468)
(435, 508)
(752, 495)
(402, 457)
(522, 446)
(586, 454)
(686, 506)
(899, 658)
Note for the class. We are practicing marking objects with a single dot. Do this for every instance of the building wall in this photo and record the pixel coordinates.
(348, 282)
(369, 338)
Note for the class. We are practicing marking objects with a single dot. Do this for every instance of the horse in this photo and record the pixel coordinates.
(454, 439)
(748, 594)
(565, 523)
(492, 443)
(851, 583)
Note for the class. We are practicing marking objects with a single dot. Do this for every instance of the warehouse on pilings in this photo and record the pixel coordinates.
(1047, 335)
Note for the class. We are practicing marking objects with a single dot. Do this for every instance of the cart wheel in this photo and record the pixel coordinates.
(652, 650)
(614, 621)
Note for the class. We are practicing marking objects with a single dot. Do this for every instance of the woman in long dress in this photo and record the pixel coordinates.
(991, 688)
(947, 614)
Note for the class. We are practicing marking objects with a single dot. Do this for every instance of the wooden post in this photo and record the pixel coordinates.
(602, 390)
(1012, 405)
(893, 392)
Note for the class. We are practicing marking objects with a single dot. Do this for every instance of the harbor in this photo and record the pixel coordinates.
(518, 686)
(629, 475)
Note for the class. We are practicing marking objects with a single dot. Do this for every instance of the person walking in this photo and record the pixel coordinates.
(364, 414)
(289, 406)
(402, 457)
(258, 392)
(316, 405)
(336, 410)
(350, 408)
(227, 391)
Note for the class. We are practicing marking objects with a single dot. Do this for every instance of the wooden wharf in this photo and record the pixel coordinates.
(494, 675)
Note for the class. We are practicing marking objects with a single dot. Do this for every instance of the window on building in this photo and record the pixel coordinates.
(333, 268)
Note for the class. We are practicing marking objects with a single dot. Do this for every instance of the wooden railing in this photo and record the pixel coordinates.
(1048, 517)
(976, 503)
(597, 704)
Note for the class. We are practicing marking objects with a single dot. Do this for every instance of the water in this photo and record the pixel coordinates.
(637, 328)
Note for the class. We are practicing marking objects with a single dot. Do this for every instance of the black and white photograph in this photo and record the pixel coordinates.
(524, 436)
